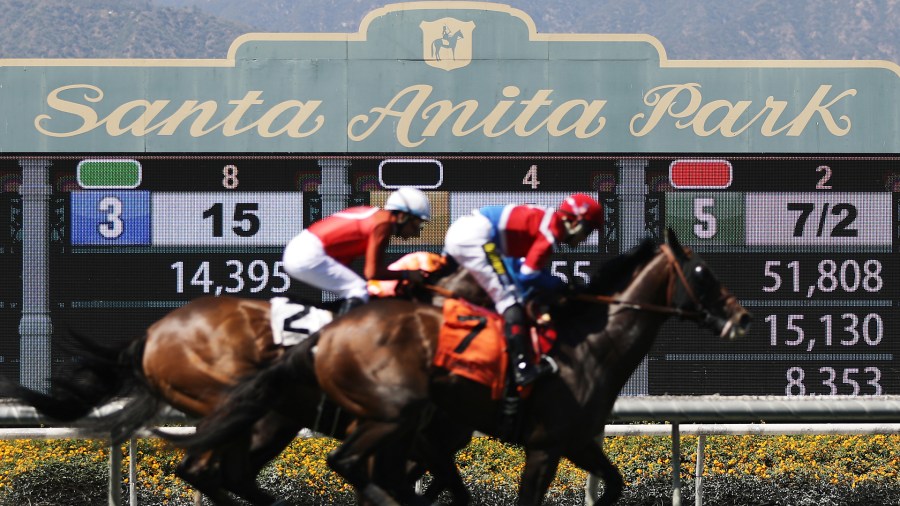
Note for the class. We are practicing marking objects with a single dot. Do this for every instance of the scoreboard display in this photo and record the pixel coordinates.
(810, 247)
(808, 244)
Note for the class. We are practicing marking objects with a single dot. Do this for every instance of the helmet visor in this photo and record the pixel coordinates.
(578, 232)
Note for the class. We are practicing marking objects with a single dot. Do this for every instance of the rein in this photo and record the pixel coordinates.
(656, 308)
(640, 306)
(441, 291)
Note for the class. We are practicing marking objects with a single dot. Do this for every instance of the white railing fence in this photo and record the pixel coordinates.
(715, 415)
(700, 416)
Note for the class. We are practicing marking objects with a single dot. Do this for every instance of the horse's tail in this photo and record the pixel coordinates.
(142, 403)
(103, 374)
(252, 398)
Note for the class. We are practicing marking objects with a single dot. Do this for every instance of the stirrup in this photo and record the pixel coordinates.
(524, 376)
(547, 366)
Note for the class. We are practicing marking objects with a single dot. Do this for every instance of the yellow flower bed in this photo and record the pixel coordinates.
(485, 464)
(834, 459)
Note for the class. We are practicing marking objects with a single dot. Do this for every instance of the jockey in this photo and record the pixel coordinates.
(479, 241)
(320, 254)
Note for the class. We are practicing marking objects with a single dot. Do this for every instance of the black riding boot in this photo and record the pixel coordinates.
(521, 363)
(521, 370)
(348, 304)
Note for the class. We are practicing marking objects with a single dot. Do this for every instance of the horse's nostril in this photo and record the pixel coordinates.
(745, 320)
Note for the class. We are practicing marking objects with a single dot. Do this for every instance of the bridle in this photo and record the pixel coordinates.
(673, 264)
(668, 308)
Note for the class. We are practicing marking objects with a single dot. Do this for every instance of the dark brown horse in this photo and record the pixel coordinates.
(189, 360)
(384, 378)
(376, 363)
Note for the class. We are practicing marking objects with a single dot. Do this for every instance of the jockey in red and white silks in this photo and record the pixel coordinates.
(320, 255)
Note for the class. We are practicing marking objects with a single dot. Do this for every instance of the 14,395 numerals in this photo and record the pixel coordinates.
(255, 277)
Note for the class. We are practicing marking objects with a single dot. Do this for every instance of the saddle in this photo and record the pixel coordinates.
(294, 321)
(471, 344)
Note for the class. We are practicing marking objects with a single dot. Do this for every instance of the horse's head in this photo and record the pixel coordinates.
(461, 283)
(696, 290)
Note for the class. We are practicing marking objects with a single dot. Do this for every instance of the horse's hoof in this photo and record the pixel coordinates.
(378, 496)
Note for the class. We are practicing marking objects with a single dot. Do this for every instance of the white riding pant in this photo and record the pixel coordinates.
(305, 260)
(465, 242)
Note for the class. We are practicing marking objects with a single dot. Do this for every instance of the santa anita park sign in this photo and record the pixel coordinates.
(448, 77)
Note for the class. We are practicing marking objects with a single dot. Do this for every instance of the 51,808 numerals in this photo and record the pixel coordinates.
(847, 276)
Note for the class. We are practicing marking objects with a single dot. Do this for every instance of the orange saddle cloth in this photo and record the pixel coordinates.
(471, 344)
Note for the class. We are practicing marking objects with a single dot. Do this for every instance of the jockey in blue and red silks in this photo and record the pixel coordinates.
(480, 241)
(320, 254)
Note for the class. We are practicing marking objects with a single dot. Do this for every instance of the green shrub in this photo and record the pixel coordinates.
(59, 484)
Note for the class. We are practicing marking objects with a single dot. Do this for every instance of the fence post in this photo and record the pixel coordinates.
(115, 476)
(132, 471)
(698, 471)
(591, 490)
(676, 465)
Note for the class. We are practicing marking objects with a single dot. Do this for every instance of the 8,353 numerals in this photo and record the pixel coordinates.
(838, 381)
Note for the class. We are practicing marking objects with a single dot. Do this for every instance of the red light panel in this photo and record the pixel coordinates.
(700, 174)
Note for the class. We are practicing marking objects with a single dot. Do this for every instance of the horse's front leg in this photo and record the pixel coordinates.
(590, 457)
(540, 469)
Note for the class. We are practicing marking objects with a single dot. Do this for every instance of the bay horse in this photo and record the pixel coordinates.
(376, 363)
(189, 360)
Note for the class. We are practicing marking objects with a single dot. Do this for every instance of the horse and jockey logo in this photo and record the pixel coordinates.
(447, 43)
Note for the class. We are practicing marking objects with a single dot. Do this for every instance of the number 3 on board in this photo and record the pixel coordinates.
(531, 178)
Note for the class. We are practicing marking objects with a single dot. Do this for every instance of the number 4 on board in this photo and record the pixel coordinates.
(531, 177)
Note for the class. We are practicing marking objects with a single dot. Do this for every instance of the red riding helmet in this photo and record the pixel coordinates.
(578, 206)
(580, 215)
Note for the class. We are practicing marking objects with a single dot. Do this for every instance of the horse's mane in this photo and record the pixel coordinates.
(616, 273)
(613, 276)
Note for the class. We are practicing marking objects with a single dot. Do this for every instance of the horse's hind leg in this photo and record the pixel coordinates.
(591, 458)
(240, 464)
(195, 470)
(442, 464)
(436, 447)
(540, 469)
(239, 478)
(350, 459)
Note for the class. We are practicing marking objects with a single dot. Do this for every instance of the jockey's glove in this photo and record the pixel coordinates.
(413, 276)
